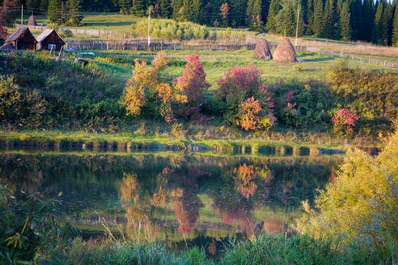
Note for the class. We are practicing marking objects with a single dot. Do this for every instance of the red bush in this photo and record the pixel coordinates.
(193, 84)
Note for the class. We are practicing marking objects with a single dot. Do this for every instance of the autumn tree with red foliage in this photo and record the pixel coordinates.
(246, 99)
(193, 85)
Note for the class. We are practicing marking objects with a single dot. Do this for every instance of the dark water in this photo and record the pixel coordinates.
(180, 199)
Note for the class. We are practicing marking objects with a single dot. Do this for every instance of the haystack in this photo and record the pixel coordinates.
(32, 21)
(285, 52)
(262, 50)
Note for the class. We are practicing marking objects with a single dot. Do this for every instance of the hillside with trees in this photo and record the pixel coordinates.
(371, 21)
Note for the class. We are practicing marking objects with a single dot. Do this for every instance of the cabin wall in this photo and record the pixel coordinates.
(51, 39)
(22, 45)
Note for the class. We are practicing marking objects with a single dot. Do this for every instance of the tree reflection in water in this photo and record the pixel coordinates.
(173, 197)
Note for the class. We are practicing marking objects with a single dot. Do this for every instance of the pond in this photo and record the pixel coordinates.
(182, 199)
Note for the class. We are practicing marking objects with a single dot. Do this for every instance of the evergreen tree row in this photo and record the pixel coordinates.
(347, 20)
(365, 20)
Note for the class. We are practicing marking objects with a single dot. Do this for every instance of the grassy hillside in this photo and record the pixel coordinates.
(216, 63)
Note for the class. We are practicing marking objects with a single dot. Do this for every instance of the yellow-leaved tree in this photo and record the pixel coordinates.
(361, 204)
(147, 91)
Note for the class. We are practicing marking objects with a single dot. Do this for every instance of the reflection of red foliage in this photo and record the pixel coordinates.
(212, 249)
(186, 206)
(239, 214)
(285, 193)
(274, 226)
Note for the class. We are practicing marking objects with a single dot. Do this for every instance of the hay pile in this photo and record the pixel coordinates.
(262, 50)
(32, 21)
(285, 52)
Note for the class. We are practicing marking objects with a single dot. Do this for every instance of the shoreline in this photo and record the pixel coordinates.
(127, 142)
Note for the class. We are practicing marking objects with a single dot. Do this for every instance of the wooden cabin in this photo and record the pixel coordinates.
(21, 39)
(49, 39)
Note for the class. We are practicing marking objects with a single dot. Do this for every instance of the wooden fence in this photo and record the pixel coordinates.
(157, 45)
(39, 27)
(354, 57)
(94, 32)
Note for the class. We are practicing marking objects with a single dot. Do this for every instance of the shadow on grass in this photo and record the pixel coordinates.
(318, 59)
(107, 24)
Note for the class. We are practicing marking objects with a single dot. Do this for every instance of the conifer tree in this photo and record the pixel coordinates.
(379, 33)
(368, 20)
(196, 7)
(395, 28)
(177, 6)
(264, 10)
(44, 4)
(388, 21)
(237, 14)
(165, 8)
(256, 15)
(287, 19)
(345, 22)
(356, 19)
(310, 17)
(301, 28)
(249, 12)
(317, 27)
(75, 15)
(331, 22)
(53, 12)
(253, 14)
(138, 8)
(187, 10)
(273, 15)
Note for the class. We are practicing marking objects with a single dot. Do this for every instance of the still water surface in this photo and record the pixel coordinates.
(180, 199)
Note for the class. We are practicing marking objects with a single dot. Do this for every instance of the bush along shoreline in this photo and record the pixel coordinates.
(35, 93)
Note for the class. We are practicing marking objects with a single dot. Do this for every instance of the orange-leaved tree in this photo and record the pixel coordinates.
(146, 92)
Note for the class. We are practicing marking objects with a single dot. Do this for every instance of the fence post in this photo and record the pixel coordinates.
(385, 63)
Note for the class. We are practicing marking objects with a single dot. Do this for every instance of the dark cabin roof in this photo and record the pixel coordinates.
(18, 34)
(47, 33)
(8, 47)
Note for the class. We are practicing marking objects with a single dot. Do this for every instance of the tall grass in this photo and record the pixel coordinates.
(265, 250)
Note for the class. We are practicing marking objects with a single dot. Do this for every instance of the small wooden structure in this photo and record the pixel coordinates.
(49, 40)
(21, 39)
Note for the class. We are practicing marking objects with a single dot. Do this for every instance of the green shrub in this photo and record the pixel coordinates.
(20, 107)
(64, 94)
(27, 227)
(373, 95)
(170, 29)
(302, 104)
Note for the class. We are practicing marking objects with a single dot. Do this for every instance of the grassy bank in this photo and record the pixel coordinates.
(273, 144)
(267, 249)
